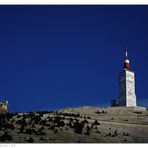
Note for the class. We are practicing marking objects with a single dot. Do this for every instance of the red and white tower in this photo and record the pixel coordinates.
(127, 95)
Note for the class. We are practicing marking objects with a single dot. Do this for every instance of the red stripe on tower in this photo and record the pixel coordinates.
(126, 61)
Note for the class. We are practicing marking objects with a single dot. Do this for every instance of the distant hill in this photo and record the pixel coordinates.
(76, 125)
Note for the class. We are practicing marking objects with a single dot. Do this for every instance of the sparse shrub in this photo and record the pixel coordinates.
(55, 131)
(112, 118)
(61, 129)
(44, 112)
(96, 127)
(30, 115)
(109, 134)
(11, 126)
(70, 124)
(8, 116)
(59, 122)
(115, 133)
(30, 131)
(47, 124)
(70, 114)
(30, 140)
(125, 134)
(41, 133)
(24, 116)
(43, 122)
(98, 112)
(138, 112)
(78, 127)
(75, 120)
(12, 121)
(33, 125)
(49, 119)
(36, 119)
(7, 125)
(57, 119)
(21, 122)
(87, 130)
(52, 127)
(92, 126)
(96, 122)
(16, 113)
(104, 112)
(22, 129)
(71, 119)
(3, 120)
(98, 132)
(42, 128)
(18, 116)
(41, 114)
(63, 118)
(88, 117)
(5, 137)
(84, 122)
(41, 138)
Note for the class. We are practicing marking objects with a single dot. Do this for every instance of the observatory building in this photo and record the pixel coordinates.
(127, 95)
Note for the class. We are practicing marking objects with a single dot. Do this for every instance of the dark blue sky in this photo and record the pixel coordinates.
(54, 57)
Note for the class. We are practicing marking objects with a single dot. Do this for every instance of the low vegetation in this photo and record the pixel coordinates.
(49, 126)
(5, 137)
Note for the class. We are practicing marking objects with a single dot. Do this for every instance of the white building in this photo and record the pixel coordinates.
(3, 106)
(127, 95)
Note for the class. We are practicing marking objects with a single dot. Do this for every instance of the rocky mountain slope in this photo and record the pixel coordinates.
(76, 125)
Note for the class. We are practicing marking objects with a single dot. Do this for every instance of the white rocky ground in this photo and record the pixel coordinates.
(77, 125)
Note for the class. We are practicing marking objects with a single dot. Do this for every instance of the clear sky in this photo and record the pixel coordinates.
(53, 57)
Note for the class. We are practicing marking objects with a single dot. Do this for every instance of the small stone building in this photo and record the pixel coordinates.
(3, 106)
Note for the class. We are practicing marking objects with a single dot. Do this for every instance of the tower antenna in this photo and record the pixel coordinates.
(126, 50)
